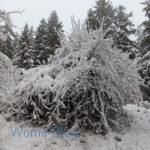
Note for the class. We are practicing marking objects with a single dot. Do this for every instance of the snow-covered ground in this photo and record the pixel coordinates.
(135, 138)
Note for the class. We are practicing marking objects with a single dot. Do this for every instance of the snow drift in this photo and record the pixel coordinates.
(87, 83)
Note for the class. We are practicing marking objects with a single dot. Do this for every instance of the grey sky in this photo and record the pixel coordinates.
(37, 9)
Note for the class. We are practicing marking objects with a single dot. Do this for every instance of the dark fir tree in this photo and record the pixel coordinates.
(15, 43)
(145, 36)
(92, 21)
(144, 52)
(25, 57)
(104, 12)
(54, 29)
(31, 36)
(6, 47)
(41, 51)
(123, 29)
(116, 20)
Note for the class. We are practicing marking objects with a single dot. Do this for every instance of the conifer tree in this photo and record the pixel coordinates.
(123, 29)
(91, 20)
(145, 36)
(31, 36)
(6, 47)
(116, 20)
(41, 52)
(15, 42)
(24, 57)
(54, 29)
(103, 11)
(144, 52)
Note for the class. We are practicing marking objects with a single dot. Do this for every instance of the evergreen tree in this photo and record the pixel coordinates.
(91, 20)
(145, 36)
(103, 12)
(54, 28)
(15, 43)
(144, 52)
(24, 57)
(116, 20)
(41, 52)
(31, 36)
(123, 29)
(6, 47)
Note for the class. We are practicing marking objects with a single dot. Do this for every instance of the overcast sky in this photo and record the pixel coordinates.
(35, 10)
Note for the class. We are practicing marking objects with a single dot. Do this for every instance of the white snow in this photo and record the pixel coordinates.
(135, 138)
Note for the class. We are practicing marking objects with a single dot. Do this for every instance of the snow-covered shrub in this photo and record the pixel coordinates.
(6, 25)
(87, 83)
(6, 69)
(7, 78)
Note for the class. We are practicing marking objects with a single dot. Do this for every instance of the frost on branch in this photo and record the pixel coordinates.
(87, 83)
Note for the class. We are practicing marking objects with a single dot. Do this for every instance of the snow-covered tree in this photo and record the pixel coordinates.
(144, 52)
(6, 26)
(31, 36)
(6, 33)
(103, 11)
(117, 20)
(15, 42)
(5, 75)
(87, 84)
(54, 29)
(47, 38)
(40, 46)
(123, 29)
(6, 69)
(6, 47)
(24, 57)
(145, 35)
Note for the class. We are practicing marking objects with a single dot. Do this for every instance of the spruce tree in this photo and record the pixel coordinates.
(144, 52)
(24, 57)
(116, 20)
(54, 29)
(91, 21)
(145, 36)
(31, 36)
(41, 52)
(123, 29)
(6, 44)
(6, 47)
(104, 12)
(15, 42)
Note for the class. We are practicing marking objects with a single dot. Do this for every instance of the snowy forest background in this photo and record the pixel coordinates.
(81, 80)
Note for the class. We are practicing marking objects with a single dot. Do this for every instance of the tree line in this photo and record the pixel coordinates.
(33, 48)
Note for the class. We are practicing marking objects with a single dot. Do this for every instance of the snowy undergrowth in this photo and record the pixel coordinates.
(135, 138)
(87, 83)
